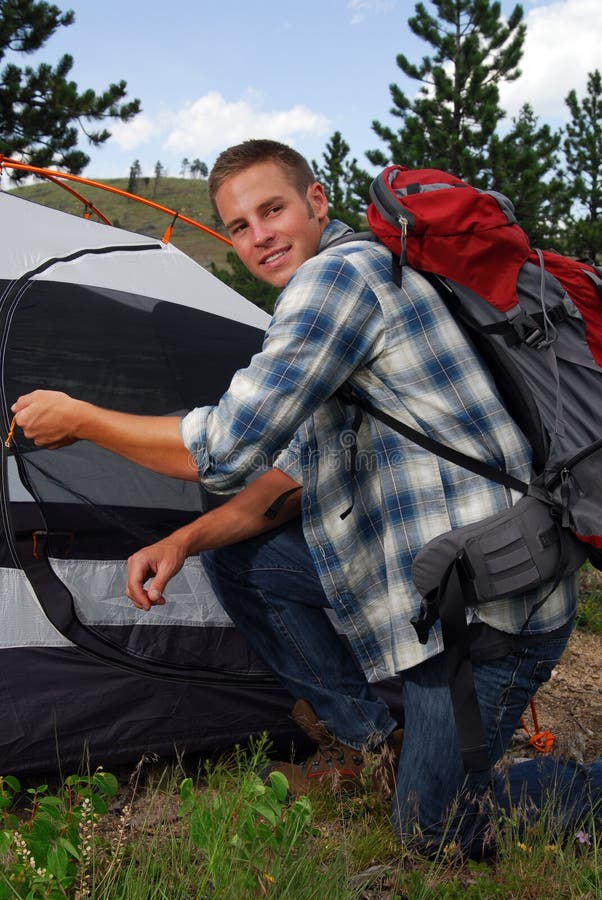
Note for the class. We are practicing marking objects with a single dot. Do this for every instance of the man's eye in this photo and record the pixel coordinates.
(274, 209)
(238, 228)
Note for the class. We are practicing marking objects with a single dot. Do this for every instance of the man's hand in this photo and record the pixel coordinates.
(159, 562)
(52, 419)
(49, 418)
(241, 517)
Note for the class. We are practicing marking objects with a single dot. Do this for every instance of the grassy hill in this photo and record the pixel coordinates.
(186, 195)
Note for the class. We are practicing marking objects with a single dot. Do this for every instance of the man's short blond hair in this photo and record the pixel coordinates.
(241, 156)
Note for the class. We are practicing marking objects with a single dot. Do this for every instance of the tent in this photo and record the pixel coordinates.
(131, 323)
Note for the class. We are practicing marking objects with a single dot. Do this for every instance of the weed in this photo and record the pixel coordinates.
(589, 609)
(249, 836)
(49, 852)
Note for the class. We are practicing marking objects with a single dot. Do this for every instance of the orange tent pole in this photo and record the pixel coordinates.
(56, 176)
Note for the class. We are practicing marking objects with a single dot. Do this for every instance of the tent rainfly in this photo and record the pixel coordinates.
(131, 323)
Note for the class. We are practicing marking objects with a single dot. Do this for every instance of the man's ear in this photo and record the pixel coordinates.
(316, 197)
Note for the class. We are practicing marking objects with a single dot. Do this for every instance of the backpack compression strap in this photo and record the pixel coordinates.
(450, 601)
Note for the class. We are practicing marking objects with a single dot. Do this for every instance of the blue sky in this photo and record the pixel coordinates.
(211, 74)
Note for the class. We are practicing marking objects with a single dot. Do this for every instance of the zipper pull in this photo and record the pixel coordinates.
(565, 496)
(403, 222)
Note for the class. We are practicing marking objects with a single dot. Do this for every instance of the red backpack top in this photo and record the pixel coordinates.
(544, 352)
(440, 224)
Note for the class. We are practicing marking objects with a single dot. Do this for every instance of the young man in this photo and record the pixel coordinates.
(340, 318)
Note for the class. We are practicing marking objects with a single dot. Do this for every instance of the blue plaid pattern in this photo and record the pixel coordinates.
(341, 318)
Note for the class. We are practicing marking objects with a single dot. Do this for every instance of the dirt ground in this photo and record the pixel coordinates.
(570, 704)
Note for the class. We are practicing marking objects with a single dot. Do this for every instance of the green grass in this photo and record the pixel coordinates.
(218, 832)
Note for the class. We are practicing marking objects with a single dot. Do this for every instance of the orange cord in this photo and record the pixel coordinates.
(11, 431)
(542, 741)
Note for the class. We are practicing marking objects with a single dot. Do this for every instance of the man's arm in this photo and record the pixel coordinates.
(243, 516)
(53, 419)
(328, 324)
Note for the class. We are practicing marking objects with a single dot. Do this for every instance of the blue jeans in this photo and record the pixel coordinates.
(437, 802)
(269, 587)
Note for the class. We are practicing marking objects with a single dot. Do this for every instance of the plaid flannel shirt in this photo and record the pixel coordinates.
(341, 318)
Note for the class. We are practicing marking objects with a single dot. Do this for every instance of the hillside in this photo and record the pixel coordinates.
(186, 195)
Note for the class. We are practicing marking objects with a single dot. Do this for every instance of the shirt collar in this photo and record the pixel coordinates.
(333, 232)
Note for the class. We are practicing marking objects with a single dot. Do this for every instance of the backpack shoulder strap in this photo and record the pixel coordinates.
(349, 396)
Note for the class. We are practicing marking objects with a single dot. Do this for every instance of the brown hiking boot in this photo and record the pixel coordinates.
(341, 766)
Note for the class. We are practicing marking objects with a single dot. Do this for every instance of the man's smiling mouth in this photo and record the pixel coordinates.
(273, 257)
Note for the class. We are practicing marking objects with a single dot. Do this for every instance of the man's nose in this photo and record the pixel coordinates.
(262, 233)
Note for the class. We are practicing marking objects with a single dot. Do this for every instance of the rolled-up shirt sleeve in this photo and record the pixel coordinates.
(289, 460)
(326, 324)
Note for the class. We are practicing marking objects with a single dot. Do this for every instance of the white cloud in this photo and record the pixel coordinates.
(203, 127)
(129, 135)
(561, 47)
(212, 123)
(362, 8)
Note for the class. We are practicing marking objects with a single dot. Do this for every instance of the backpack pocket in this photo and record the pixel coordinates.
(504, 555)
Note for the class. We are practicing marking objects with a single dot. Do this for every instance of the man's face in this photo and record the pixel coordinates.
(272, 227)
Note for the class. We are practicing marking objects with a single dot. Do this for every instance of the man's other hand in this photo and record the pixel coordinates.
(159, 562)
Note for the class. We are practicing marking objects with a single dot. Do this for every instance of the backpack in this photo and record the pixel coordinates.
(535, 317)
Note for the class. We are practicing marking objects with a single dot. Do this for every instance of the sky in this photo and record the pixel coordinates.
(210, 74)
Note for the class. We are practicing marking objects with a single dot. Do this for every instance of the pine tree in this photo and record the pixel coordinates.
(451, 121)
(583, 153)
(344, 182)
(159, 173)
(524, 165)
(135, 173)
(198, 169)
(42, 112)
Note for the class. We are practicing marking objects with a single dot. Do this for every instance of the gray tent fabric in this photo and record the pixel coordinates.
(129, 323)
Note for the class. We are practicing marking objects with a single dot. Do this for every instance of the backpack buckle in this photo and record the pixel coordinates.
(527, 330)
